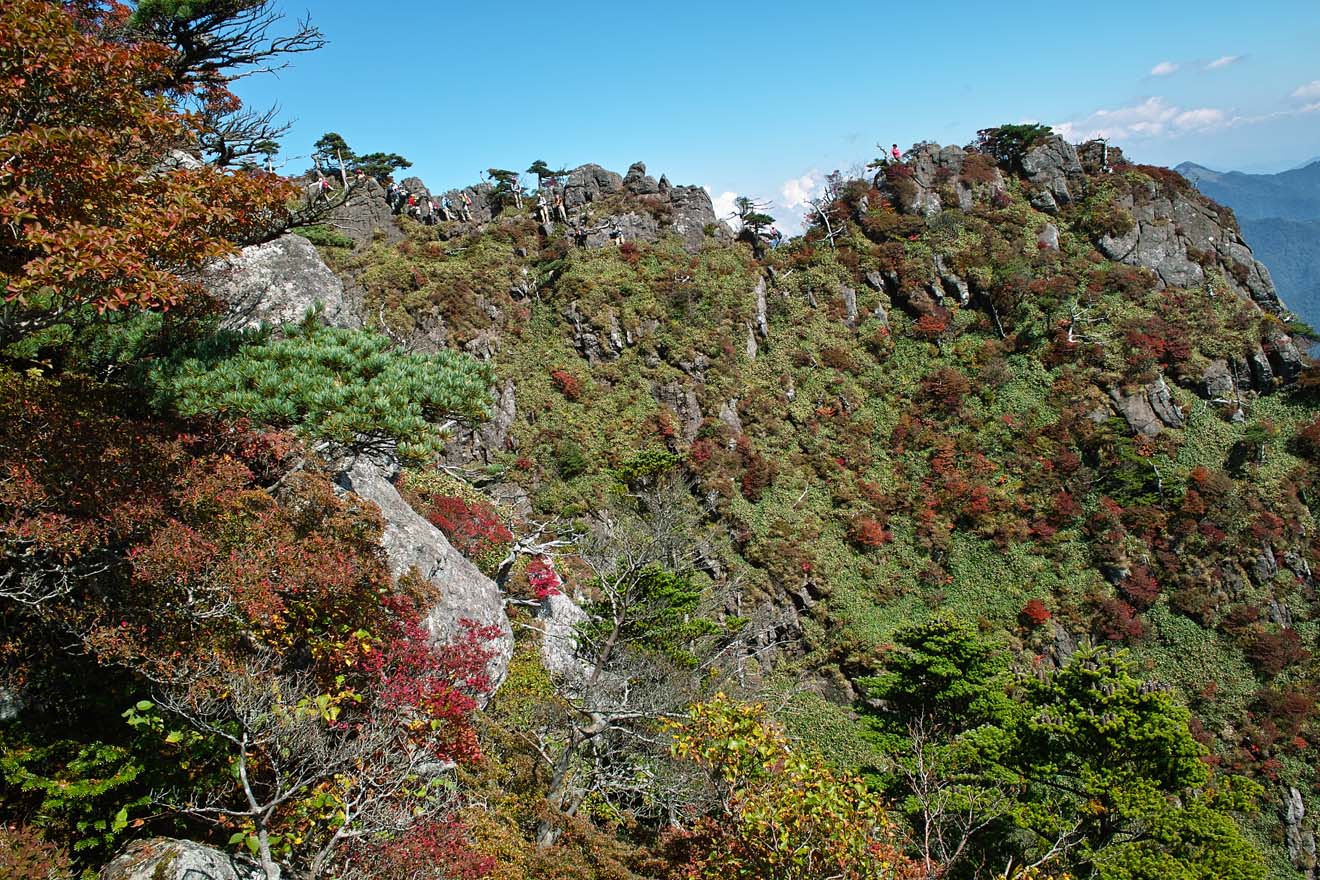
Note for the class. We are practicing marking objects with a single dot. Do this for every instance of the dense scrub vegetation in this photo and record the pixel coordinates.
(850, 574)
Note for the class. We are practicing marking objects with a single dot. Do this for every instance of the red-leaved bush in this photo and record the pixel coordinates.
(473, 527)
(1034, 613)
(543, 579)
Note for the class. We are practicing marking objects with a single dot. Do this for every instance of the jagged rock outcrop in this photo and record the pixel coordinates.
(277, 283)
(1162, 402)
(164, 858)
(411, 542)
(639, 208)
(1148, 410)
(928, 166)
(416, 187)
(364, 214)
(1299, 839)
(590, 183)
(481, 443)
(1054, 170)
(1173, 234)
(683, 401)
(481, 210)
(1218, 381)
(638, 182)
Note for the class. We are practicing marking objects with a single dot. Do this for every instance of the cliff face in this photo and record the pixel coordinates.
(1062, 378)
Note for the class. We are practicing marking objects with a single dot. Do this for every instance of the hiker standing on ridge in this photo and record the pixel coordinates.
(560, 211)
(465, 207)
(896, 153)
(445, 206)
(542, 209)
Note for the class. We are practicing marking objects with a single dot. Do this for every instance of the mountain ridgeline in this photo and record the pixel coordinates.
(1027, 386)
(1280, 218)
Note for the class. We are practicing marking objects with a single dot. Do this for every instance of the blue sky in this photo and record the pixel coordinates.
(763, 99)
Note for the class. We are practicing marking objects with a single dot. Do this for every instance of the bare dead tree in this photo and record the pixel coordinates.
(219, 41)
(237, 138)
(630, 673)
(951, 812)
(285, 746)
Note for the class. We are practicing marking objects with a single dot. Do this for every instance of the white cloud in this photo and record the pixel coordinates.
(1223, 61)
(1152, 118)
(1206, 117)
(798, 191)
(1310, 90)
(1164, 68)
(723, 204)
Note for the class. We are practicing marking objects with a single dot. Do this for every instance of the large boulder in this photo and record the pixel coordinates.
(364, 214)
(590, 183)
(164, 858)
(278, 283)
(1052, 166)
(411, 542)
(560, 618)
(638, 182)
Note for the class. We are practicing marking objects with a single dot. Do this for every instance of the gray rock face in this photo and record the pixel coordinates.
(412, 542)
(1285, 358)
(683, 401)
(365, 215)
(620, 228)
(1262, 374)
(415, 186)
(1219, 381)
(277, 283)
(1161, 401)
(482, 443)
(481, 209)
(1148, 410)
(691, 213)
(163, 858)
(1053, 167)
(1137, 411)
(1048, 237)
(1096, 156)
(1299, 839)
(560, 617)
(590, 183)
(931, 164)
(638, 182)
(1169, 230)
(951, 282)
(758, 293)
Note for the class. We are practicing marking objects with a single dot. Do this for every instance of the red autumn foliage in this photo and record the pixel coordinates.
(868, 534)
(1140, 587)
(1034, 613)
(930, 327)
(543, 578)
(89, 221)
(1117, 621)
(473, 527)
(432, 690)
(1272, 652)
(568, 385)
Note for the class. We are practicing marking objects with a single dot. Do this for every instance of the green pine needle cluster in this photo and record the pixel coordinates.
(349, 387)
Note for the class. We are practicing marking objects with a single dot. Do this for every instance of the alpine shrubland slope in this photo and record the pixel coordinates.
(967, 535)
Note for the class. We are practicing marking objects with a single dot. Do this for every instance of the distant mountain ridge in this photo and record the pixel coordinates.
(1293, 195)
(1280, 219)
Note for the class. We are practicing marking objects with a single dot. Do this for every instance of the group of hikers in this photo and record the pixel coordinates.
(424, 208)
